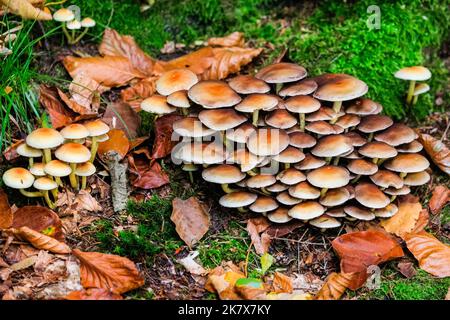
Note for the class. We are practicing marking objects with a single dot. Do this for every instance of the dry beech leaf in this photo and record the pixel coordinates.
(139, 91)
(433, 255)
(6, 216)
(117, 142)
(335, 286)
(198, 61)
(144, 174)
(235, 39)
(93, 294)
(59, 114)
(407, 269)
(41, 241)
(163, 135)
(255, 226)
(222, 280)
(438, 152)
(10, 153)
(282, 283)
(404, 220)
(191, 220)
(84, 201)
(277, 230)
(422, 221)
(84, 92)
(25, 9)
(119, 115)
(107, 271)
(108, 71)
(440, 197)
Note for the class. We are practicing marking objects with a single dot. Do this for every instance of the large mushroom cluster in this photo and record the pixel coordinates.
(74, 160)
(292, 147)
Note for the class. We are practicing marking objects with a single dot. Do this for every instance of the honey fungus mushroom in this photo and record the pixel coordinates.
(73, 154)
(413, 74)
(45, 139)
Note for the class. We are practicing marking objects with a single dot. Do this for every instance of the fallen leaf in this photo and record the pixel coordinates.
(422, 221)
(25, 9)
(255, 226)
(191, 265)
(295, 295)
(282, 283)
(60, 116)
(85, 201)
(404, 220)
(250, 289)
(198, 61)
(407, 269)
(437, 150)
(163, 144)
(93, 294)
(266, 262)
(235, 39)
(277, 230)
(84, 93)
(114, 273)
(142, 89)
(10, 152)
(6, 216)
(137, 142)
(24, 264)
(222, 280)
(335, 286)
(433, 255)
(117, 142)
(440, 197)
(191, 220)
(41, 241)
(119, 115)
(146, 176)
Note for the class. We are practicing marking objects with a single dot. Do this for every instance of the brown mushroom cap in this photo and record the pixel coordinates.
(191, 127)
(386, 212)
(245, 159)
(85, 169)
(45, 184)
(359, 213)
(18, 178)
(179, 99)
(362, 167)
(337, 212)
(25, 150)
(412, 147)
(277, 187)
(328, 177)
(221, 119)
(73, 153)
(290, 176)
(245, 84)
(257, 101)
(325, 222)
(63, 15)
(267, 141)
(200, 153)
(348, 121)
(335, 197)
(57, 168)
(332, 146)
(213, 94)
(75, 131)
(289, 155)
(237, 199)
(370, 196)
(241, 133)
(397, 192)
(261, 181)
(37, 169)
(281, 72)
(301, 140)
(421, 88)
(386, 179)
(352, 155)
(304, 87)
(302, 104)
(175, 80)
(264, 204)
(286, 199)
(156, 104)
(304, 190)
(310, 162)
(44, 138)
(416, 73)
(377, 149)
(280, 119)
(320, 127)
(306, 210)
(223, 174)
(408, 163)
(356, 139)
(374, 123)
(396, 135)
(417, 178)
(279, 216)
(341, 89)
(324, 113)
(362, 107)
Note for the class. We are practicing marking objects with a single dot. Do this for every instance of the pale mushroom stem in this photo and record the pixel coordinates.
(30, 162)
(415, 99)
(251, 173)
(255, 118)
(412, 85)
(370, 137)
(336, 161)
(58, 181)
(242, 210)
(68, 36)
(323, 191)
(80, 36)
(49, 202)
(226, 188)
(191, 177)
(264, 190)
(356, 179)
(72, 177)
(30, 194)
(403, 174)
(94, 148)
(328, 160)
(337, 106)
(302, 118)
(393, 198)
(184, 111)
(375, 160)
(47, 156)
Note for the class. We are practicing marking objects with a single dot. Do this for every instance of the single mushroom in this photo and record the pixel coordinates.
(223, 174)
(20, 178)
(370, 196)
(45, 139)
(302, 105)
(254, 103)
(179, 99)
(73, 26)
(413, 74)
(377, 151)
(331, 146)
(420, 88)
(221, 120)
(245, 159)
(97, 129)
(386, 179)
(175, 80)
(75, 133)
(374, 123)
(85, 170)
(277, 187)
(38, 169)
(45, 185)
(389, 211)
(280, 215)
(245, 84)
(325, 222)
(213, 94)
(328, 177)
(286, 199)
(357, 212)
(57, 169)
(301, 140)
(304, 191)
(310, 162)
(264, 204)
(363, 107)
(302, 88)
(157, 105)
(306, 210)
(361, 167)
(290, 176)
(267, 141)
(335, 197)
(238, 199)
(261, 181)
(407, 163)
(281, 119)
(417, 178)
(240, 133)
(73, 153)
(289, 156)
(64, 15)
(282, 72)
(25, 150)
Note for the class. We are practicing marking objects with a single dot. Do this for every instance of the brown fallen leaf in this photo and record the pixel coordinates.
(440, 197)
(117, 142)
(93, 294)
(422, 221)
(114, 273)
(41, 241)
(404, 220)
(142, 89)
(433, 255)
(10, 152)
(119, 115)
(25, 9)
(6, 215)
(255, 226)
(198, 61)
(24, 264)
(277, 230)
(163, 144)
(222, 280)
(235, 39)
(59, 114)
(335, 286)
(145, 174)
(437, 150)
(281, 283)
(191, 220)
(84, 93)
(407, 269)
(84, 201)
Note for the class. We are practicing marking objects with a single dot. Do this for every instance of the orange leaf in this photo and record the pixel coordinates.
(59, 114)
(404, 220)
(117, 142)
(282, 283)
(222, 280)
(440, 197)
(437, 151)
(433, 255)
(335, 286)
(6, 216)
(198, 61)
(114, 273)
(138, 91)
(254, 227)
(163, 135)
(93, 294)
(144, 175)
(41, 241)
(119, 115)
(235, 39)
(422, 221)
(25, 9)
(191, 219)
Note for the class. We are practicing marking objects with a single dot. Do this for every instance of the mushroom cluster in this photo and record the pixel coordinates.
(71, 24)
(74, 160)
(291, 147)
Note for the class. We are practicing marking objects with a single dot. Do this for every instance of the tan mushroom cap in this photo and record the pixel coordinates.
(348, 121)
(191, 127)
(335, 197)
(264, 204)
(291, 176)
(386, 212)
(277, 187)
(280, 119)
(157, 104)
(362, 167)
(85, 169)
(370, 196)
(337, 212)
(328, 177)
(37, 169)
(102, 138)
(362, 107)
(261, 181)
(286, 199)
(88, 22)
(73, 153)
(25, 150)
(282, 72)
(267, 141)
(416, 73)
(289, 155)
(175, 80)
(377, 149)
(304, 87)
(374, 123)
(279, 216)
(304, 190)
(245, 84)
(324, 113)
(18, 178)
(57, 168)
(200, 153)
(179, 99)
(320, 127)
(386, 179)
(97, 128)
(45, 184)
(397, 192)
(341, 89)
(325, 222)
(408, 163)
(396, 135)
(44, 138)
(310, 162)
(223, 174)
(352, 155)
(412, 147)
(359, 213)
(63, 15)
(75, 131)
(241, 133)
(221, 119)
(332, 146)
(417, 178)
(301, 140)
(245, 159)
(257, 101)
(306, 210)
(421, 88)
(302, 104)
(237, 199)
(356, 139)
(213, 94)
(73, 25)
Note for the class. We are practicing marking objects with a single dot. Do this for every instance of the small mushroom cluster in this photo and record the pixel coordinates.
(73, 159)
(292, 147)
(413, 75)
(71, 25)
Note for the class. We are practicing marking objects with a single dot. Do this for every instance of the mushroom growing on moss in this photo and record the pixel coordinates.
(413, 74)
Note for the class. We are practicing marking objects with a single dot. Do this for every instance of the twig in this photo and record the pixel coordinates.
(246, 258)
